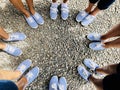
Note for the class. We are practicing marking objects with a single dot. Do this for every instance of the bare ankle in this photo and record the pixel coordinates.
(32, 11)
(93, 13)
(104, 37)
(88, 10)
(6, 36)
(106, 45)
(2, 46)
(21, 83)
(18, 73)
(27, 14)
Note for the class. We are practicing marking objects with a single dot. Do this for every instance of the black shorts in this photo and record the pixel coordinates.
(112, 82)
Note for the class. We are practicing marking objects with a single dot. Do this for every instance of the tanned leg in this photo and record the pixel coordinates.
(2, 45)
(3, 34)
(89, 8)
(19, 5)
(21, 83)
(54, 1)
(9, 75)
(65, 1)
(97, 82)
(115, 31)
(31, 6)
(114, 44)
(110, 69)
(95, 11)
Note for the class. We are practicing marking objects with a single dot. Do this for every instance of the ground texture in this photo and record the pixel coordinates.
(58, 47)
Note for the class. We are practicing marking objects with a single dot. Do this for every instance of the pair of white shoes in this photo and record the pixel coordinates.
(85, 18)
(54, 11)
(12, 50)
(58, 84)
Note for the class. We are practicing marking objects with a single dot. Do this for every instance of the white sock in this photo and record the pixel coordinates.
(64, 5)
(55, 4)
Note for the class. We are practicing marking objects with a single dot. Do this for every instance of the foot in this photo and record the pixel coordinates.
(38, 18)
(83, 73)
(32, 75)
(24, 66)
(81, 15)
(87, 20)
(62, 84)
(53, 11)
(90, 64)
(17, 36)
(12, 50)
(31, 22)
(97, 46)
(64, 11)
(94, 37)
(53, 83)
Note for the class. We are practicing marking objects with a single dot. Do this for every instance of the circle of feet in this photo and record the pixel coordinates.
(58, 47)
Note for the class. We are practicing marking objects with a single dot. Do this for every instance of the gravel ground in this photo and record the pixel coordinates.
(58, 47)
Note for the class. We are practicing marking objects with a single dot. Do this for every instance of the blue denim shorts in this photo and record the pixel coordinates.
(7, 85)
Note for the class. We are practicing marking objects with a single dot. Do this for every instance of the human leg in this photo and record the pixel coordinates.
(38, 18)
(90, 5)
(2, 45)
(109, 82)
(28, 78)
(11, 37)
(95, 11)
(9, 75)
(10, 49)
(89, 8)
(97, 82)
(82, 14)
(88, 77)
(103, 45)
(31, 6)
(21, 83)
(112, 44)
(109, 69)
(17, 36)
(54, 1)
(115, 31)
(102, 4)
(19, 5)
(65, 1)
(3, 34)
